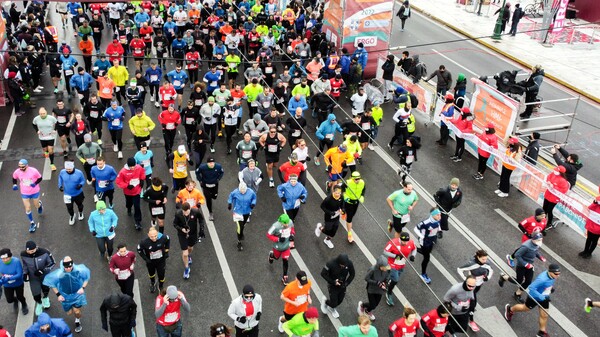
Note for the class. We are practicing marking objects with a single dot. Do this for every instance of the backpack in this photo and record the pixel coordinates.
(414, 101)
(423, 69)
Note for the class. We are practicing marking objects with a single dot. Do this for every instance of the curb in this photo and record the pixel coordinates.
(505, 54)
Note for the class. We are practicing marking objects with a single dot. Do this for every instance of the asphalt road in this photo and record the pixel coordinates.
(207, 289)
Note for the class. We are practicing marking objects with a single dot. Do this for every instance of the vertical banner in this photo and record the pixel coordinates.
(366, 21)
(560, 20)
(3, 60)
(490, 105)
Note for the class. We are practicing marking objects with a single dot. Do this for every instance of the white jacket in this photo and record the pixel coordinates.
(237, 308)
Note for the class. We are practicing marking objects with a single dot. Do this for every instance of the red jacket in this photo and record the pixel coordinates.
(137, 47)
(166, 118)
(191, 60)
(593, 222)
(113, 50)
(288, 169)
(167, 95)
(464, 125)
(491, 140)
(558, 183)
(531, 225)
(435, 323)
(133, 177)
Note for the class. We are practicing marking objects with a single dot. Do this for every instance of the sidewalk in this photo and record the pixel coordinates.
(576, 66)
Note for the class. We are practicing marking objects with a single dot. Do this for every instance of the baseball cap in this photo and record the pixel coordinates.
(404, 236)
(30, 245)
(302, 278)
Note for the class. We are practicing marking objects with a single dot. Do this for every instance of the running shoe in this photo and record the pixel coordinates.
(359, 309)
(508, 314)
(41, 208)
(318, 229)
(350, 237)
(457, 160)
(32, 227)
(115, 148)
(371, 147)
(440, 235)
(497, 191)
(45, 302)
(80, 216)
(284, 280)
(53, 167)
(389, 223)
(120, 155)
(280, 325)
(518, 298)
(510, 260)
(334, 312)
(99, 141)
(152, 287)
(96, 198)
(211, 217)
(72, 220)
(474, 326)
(239, 246)
(501, 280)
(389, 299)
(271, 183)
(503, 195)
(317, 162)
(190, 260)
(271, 257)
(324, 308)
(38, 309)
(186, 273)
(78, 327)
(425, 278)
(371, 315)
(328, 243)
(542, 334)
(588, 305)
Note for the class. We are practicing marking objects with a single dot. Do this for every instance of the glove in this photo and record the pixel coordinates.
(464, 309)
(32, 185)
(329, 168)
(485, 278)
(229, 207)
(412, 258)
(361, 199)
(111, 229)
(164, 126)
(529, 266)
(308, 159)
(79, 186)
(62, 189)
(241, 319)
(82, 160)
(281, 239)
(132, 323)
(303, 201)
(104, 327)
(283, 199)
(94, 233)
(129, 187)
(25, 277)
(252, 206)
(38, 273)
(15, 187)
(258, 314)
(543, 259)
(356, 155)
(166, 255)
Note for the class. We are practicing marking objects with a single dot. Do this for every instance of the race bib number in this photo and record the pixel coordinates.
(198, 102)
(366, 126)
(156, 255)
(123, 274)
(116, 122)
(268, 70)
(96, 30)
(232, 65)
(214, 83)
(102, 183)
(405, 218)
(61, 119)
(189, 120)
(272, 148)
(134, 182)
(91, 161)
(255, 133)
(106, 91)
(153, 78)
(171, 317)
(266, 104)
(238, 217)
(167, 97)
(181, 168)
(146, 163)
(302, 299)
(303, 53)
(296, 133)
(176, 83)
(329, 136)
(440, 327)
(170, 126)
(246, 154)
(157, 211)
(191, 201)
(94, 114)
(67, 199)
(285, 233)
(410, 159)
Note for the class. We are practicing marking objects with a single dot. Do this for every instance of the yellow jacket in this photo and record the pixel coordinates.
(119, 75)
(138, 124)
(352, 148)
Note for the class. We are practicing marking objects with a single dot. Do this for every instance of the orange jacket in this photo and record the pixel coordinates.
(335, 158)
(194, 198)
(106, 87)
(86, 47)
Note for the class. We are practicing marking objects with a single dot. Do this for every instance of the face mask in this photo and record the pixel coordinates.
(88, 144)
(537, 243)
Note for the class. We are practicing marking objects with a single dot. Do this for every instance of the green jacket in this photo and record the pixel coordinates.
(84, 152)
(354, 331)
(298, 326)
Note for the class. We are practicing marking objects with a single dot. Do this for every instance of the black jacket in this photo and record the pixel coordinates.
(532, 152)
(339, 269)
(122, 309)
(388, 70)
(194, 222)
(444, 198)
(572, 168)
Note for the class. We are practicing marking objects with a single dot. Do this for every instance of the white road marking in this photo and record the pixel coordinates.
(458, 64)
(9, 130)
(25, 321)
(592, 281)
(555, 314)
(140, 328)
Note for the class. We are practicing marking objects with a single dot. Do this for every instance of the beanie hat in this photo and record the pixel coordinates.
(87, 137)
(455, 181)
(554, 268)
(30, 245)
(539, 212)
(172, 292)
(130, 162)
(100, 205)
(435, 212)
(248, 289)
(311, 312)
(284, 219)
(5, 252)
(537, 236)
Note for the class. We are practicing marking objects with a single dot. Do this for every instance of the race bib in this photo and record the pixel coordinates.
(102, 183)
(153, 78)
(123, 274)
(232, 65)
(170, 126)
(157, 211)
(189, 120)
(329, 136)
(198, 102)
(116, 122)
(268, 70)
(238, 217)
(440, 327)
(246, 154)
(302, 299)
(67, 199)
(366, 126)
(61, 119)
(156, 255)
(296, 80)
(405, 218)
(171, 317)
(181, 168)
(176, 83)
(254, 133)
(106, 91)
(273, 148)
(285, 233)
(266, 104)
(146, 163)
(410, 159)
(303, 53)
(297, 203)
(134, 182)
(91, 161)
(214, 83)
(96, 30)
(167, 97)
(210, 185)
(94, 114)
(191, 201)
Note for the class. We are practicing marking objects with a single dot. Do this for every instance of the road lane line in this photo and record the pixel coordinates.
(592, 281)
(555, 314)
(9, 130)
(359, 243)
(458, 64)
(25, 321)
(140, 328)
(214, 237)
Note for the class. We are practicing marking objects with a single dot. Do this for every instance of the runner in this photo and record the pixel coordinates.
(434, 323)
(332, 206)
(145, 158)
(326, 135)
(130, 179)
(447, 199)
(156, 196)
(272, 142)
(70, 182)
(460, 296)
(246, 151)
(37, 263)
(189, 223)
(115, 116)
(103, 176)
(377, 279)
(122, 310)
(397, 251)
(190, 116)
(178, 166)
(408, 155)
(241, 201)
(251, 175)
(167, 310)
(406, 326)
(93, 110)
(337, 160)
(64, 118)
(282, 234)
(88, 154)
(211, 115)
(303, 324)
(538, 294)
(68, 284)
(209, 174)
(246, 311)
(28, 179)
(12, 280)
(292, 195)
(339, 273)
(121, 265)
(427, 230)
(189, 194)
(402, 202)
(479, 268)
(533, 224)
(140, 125)
(169, 119)
(45, 127)
(296, 298)
(524, 257)
(154, 250)
(354, 193)
(292, 167)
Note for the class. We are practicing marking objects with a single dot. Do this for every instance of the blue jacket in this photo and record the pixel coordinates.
(181, 76)
(527, 253)
(327, 128)
(70, 182)
(300, 69)
(449, 113)
(101, 223)
(11, 273)
(105, 176)
(140, 18)
(167, 26)
(206, 175)
(362, 56)
(345, 64)
(427, 231)
(111, 114)
(68, 62)
(58, 327)
(140, 158)
(291, 194)
(69, 283)
(293, 104)
(157, 72)
(209, 78)
(219, 50)
(73, 7)
(82, 82)
(541, 287)
(241, 202)
(102, 66)
(178, 44)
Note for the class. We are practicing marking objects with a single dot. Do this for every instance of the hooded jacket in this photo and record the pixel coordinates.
(292, 194)
(460, 298)
(333, 271)
(68, 283)
(138, 124)
(328, 129)
(237, 309)
(527, 253)
(40, 261)
(101, 223)
(572, 168)
(122, 309)
(11, 273)
(375, 276)
(125, 177)
(58, 327)
(242, 202)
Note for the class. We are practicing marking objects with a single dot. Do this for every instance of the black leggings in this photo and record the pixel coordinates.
(127, 285)
(246, 333)
(115, 136)
(473, 303)
(229, 132)
(505, 179)
(75, 200)
(523, 278)
(482, 164)
(426, 252)
(400, 134)
(336, 295)
(169, 137)
(240, 227)
(107, 194)
(591, 242)
(105, 244)
(157, 267)
(460, 147)
(292, 213)
(210, 194)
(373, 302)
(96, 125)
(211, 131)
(123, 330)
(322, 144)
(15, 293)
(548, 207)
(154, 91)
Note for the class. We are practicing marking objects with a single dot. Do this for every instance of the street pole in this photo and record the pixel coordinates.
(498, 28)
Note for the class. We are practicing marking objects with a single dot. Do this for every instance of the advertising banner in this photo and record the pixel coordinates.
(490, 105)
(3, 61)
(560, 20)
